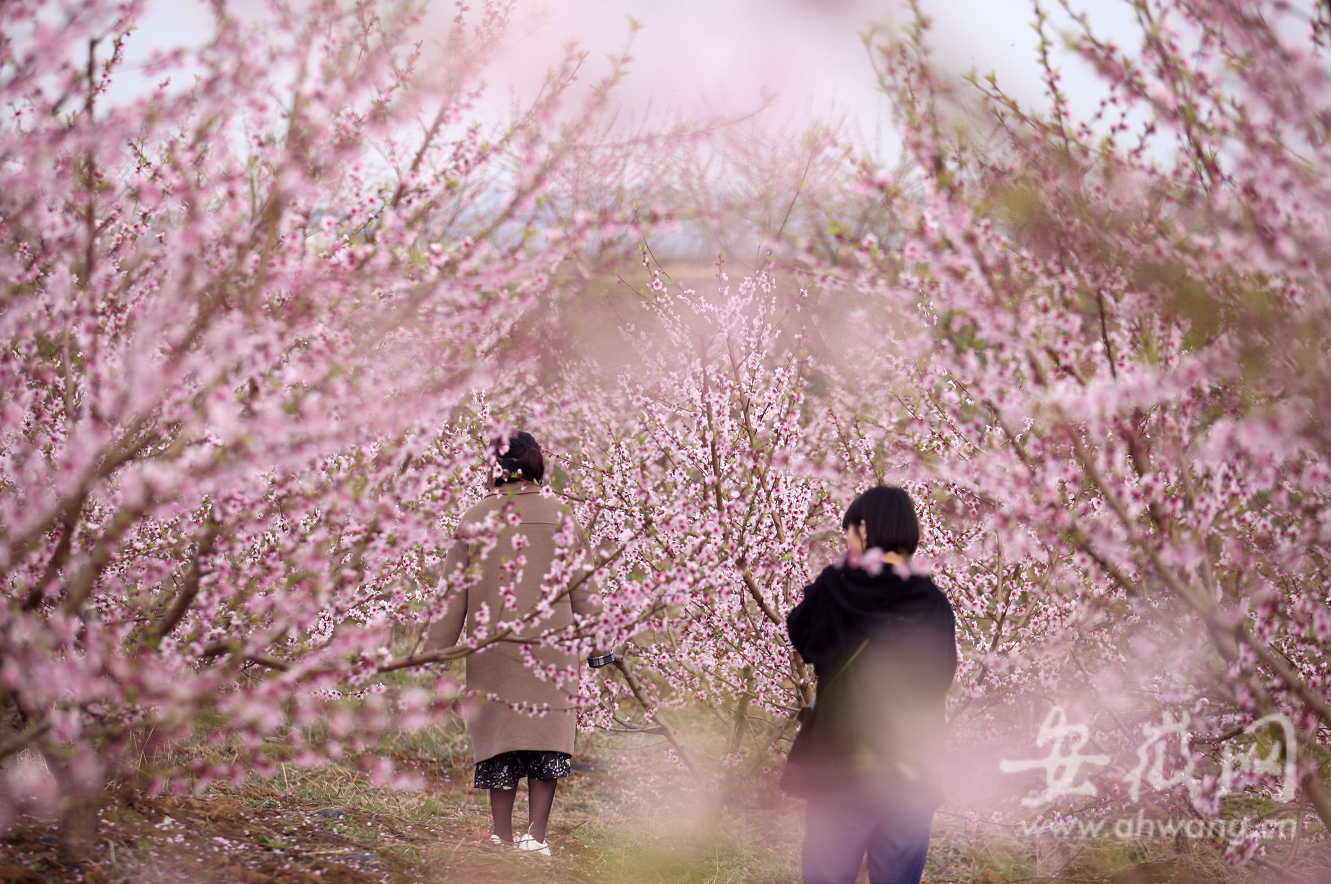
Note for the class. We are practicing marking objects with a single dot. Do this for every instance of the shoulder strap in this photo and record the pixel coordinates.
(846, 665)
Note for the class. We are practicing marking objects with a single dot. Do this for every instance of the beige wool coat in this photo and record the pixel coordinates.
(497, 670)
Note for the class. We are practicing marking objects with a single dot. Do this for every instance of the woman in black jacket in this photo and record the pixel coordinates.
(882, 642)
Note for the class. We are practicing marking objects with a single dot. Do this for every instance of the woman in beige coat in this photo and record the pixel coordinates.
(502, 587)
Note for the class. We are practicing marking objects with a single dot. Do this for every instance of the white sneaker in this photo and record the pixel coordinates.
(527, 842)
(495, 839)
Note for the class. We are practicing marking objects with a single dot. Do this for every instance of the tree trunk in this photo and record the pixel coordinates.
(1317, 795)
(11, 720)
(78, 820)
(78, 829)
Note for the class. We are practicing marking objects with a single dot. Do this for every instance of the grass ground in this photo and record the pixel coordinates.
(626, 816)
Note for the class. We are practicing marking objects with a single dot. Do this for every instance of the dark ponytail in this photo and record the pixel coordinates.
(521, 460)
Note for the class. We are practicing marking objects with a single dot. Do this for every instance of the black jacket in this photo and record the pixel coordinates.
(884, 650)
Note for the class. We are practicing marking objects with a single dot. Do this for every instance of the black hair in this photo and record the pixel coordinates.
(520, 460)
(889, 519)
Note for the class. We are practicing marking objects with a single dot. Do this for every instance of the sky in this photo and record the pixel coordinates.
(714, 51)
(695, 57)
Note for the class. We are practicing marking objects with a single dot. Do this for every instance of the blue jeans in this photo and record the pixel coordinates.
(838, 833)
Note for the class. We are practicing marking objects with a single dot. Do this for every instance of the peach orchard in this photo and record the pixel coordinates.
(259, 321)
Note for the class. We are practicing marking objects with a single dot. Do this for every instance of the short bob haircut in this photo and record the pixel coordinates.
(519, 460)
(889, 519)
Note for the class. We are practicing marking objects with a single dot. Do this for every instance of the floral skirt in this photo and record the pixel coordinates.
(505, 769)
